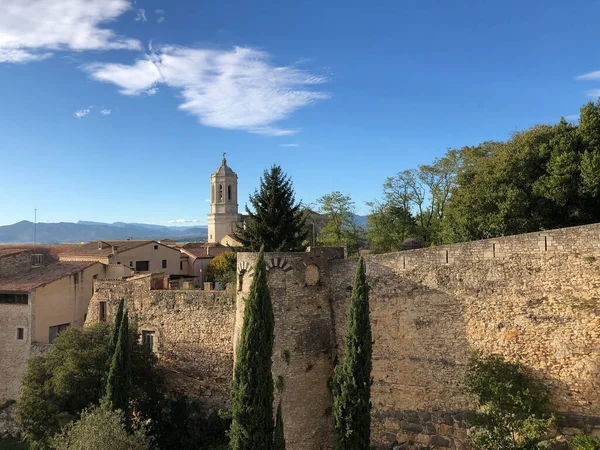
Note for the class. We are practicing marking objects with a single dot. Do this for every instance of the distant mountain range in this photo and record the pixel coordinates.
(84, 231)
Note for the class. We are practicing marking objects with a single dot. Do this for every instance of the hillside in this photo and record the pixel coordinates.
(69, 232)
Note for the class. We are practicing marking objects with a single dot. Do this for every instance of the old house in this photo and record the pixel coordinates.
(142, 256)
(37, 302)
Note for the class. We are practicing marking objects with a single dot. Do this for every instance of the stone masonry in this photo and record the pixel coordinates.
(533, 298)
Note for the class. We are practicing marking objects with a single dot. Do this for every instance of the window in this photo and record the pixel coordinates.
(164, 263)
(94, 278)
(220, 192)
(20, 299)
(56, 330)
(76, 279)
(148, 340)
(102, 312)
(229, 192)
(142, 266)
(130, 263)
(156, 247)
(20, 333)
(180, 265)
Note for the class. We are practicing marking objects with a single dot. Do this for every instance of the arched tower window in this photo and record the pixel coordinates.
(229, 192)
(220, 192)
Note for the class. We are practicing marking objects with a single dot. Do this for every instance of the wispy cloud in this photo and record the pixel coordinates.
(184, 221)
(595, 75)
(290, 145)
(151, 91)
(105, 112)
(141, 15)
(82, 112)
(32, 30)
(593, 93)
(161, 15)
(161, 19)
(239, 89)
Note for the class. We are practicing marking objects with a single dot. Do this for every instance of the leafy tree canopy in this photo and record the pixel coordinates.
(222, 268)
(340, 228)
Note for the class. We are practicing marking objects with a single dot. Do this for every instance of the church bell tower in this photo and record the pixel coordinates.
(223, 203)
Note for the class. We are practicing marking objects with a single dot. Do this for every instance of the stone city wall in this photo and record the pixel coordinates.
(533, 298)
(193, 332)
(304, 347)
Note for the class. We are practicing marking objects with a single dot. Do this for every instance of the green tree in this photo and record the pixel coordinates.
(279, 437)
(116, 326)
(100, 428)
(252, 388)
(352, 378)
(59, 384)
(388, 226)
(276, 222)
(340, 228)
(222, 268)
(119, 375)
(512, 411)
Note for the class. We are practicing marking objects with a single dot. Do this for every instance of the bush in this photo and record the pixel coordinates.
(100, 428)
(222, 268)
(585, 442)
(512, 405)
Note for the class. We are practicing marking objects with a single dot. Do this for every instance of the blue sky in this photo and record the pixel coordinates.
(120, 111)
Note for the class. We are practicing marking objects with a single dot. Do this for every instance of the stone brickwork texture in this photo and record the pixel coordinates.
(533, 298)
(193, 333)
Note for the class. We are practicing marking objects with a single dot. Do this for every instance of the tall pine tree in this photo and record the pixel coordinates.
(279, 438)
(277, 222)
(115, 332)
(352, 379)
(252, 388)
(119, 375)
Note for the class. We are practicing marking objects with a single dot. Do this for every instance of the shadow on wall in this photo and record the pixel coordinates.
(540, 311)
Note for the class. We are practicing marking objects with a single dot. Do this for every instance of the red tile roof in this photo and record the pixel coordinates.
(91, 248)
(29, 280)
(204, 249)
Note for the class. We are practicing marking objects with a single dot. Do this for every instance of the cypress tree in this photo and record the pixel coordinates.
(115, 332)
(279, 438)
(252, 388)
(119, 375)
(277, 222)
(352, 378)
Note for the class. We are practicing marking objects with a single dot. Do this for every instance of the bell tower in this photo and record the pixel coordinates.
(223, 202)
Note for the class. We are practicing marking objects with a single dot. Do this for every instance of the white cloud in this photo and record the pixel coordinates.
(239, 89)
(290, 145)
(141, 15)
(593, 93)
(82, 112)
(589, 76)
(160, 20)
(159, 11)
(151, 91)
(183, 221)
(105, 112)
(31, 30)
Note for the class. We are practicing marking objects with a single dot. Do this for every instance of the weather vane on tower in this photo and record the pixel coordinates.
(224, 160)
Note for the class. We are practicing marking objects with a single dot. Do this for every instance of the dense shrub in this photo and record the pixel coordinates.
(512, 405)
(100, 428)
